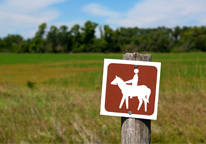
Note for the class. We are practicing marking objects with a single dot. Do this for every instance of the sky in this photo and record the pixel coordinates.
(24, 16)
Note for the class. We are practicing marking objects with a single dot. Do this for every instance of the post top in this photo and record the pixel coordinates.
(137, 56)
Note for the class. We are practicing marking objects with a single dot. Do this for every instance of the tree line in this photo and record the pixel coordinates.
(83, 39)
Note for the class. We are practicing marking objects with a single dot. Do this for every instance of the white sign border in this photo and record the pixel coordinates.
(103, 111)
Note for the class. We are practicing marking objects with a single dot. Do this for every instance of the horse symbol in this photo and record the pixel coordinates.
(142, 92)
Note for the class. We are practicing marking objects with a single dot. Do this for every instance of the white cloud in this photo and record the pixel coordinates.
(29, 5)
(23, 15)
(30, 33)
(150, 13)
(98, 10)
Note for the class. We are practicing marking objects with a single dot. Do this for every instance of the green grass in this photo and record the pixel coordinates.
(49, 58)
(63, 106)
(44, 58)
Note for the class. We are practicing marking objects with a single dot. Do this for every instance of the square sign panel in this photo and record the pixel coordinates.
(130, 88)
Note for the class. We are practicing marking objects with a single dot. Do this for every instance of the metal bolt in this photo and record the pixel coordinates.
(129, 112)
(135, 66)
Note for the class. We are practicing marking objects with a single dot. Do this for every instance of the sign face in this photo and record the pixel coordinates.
(130, 88)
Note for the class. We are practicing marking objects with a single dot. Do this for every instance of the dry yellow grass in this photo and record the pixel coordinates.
(54, 115)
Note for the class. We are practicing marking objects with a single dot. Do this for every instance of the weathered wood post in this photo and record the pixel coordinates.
(135, 130)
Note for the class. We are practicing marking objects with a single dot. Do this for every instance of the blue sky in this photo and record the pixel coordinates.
(24, 16)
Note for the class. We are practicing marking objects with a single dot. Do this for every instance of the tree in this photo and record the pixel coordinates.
(38, 43)
(76, 38)
(52, 39)
(111, 38)
(25, 46)
(41, 31)
(62, 39)
(176, 33)
(12, 43)
(1, 45)
(194, 39)
(88, 35)
(158, 42)
(108, 34)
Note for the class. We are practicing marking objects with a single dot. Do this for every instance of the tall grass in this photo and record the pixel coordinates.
(64, 104)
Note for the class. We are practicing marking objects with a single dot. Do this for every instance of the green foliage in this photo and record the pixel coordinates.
(52, 38)
(100, 45)
(40, 33)
(25, 46)
(11, 43)
(88, 32)
(79, 39)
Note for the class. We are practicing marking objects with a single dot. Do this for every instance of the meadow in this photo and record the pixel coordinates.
(55, 98)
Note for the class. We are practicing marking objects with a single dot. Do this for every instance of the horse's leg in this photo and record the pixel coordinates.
(127, 102)
(140, 103)
(122, 101)
(145, 105)
(145, 98)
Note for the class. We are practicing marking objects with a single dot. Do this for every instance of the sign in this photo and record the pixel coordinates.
(130, 88)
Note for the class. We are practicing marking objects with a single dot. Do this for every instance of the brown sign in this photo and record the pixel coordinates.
(130, 91)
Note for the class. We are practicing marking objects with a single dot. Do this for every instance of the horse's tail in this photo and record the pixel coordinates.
(148, 92)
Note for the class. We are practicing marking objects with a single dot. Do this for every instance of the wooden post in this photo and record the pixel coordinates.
(135, 130)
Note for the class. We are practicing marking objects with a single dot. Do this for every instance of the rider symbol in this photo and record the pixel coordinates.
(134, 81)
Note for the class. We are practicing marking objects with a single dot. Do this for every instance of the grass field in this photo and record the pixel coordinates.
(55, 98)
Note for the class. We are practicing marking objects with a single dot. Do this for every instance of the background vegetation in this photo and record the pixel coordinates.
(83, 39)
(56, 98)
